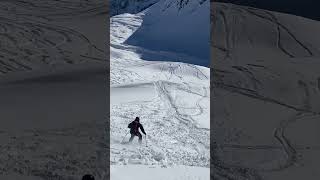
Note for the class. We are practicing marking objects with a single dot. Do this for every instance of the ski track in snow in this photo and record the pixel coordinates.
(175, 114)
(31, 38)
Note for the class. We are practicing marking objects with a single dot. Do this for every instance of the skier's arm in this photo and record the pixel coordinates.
(141, 127)
(130, 125)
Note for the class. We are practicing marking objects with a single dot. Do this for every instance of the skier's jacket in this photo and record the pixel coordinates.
(134, 127)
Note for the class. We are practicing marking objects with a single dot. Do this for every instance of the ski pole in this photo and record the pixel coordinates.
(124, 137)
(146, 141)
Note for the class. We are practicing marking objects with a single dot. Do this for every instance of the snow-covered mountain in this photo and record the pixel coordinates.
(129, 6)
(170, 96)
(266, 91)
(176, 26)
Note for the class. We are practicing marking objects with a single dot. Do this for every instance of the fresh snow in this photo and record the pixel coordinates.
(172, 100)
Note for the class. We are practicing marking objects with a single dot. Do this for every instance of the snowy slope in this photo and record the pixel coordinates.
(172, 100)
(36, 34)
(52, 89)
(266, 92)
(53, 116)
(176, 26)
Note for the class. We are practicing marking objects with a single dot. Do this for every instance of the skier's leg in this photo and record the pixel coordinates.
(140, 137)
(131, 138)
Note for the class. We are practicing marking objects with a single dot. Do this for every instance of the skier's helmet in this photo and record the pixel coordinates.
(88, 177)
(137, 119)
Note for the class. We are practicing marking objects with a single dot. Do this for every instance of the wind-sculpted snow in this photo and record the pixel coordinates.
(171, 99)
(265, 91)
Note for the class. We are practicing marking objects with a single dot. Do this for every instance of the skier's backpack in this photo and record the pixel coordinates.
(130, 125)
(134, 127)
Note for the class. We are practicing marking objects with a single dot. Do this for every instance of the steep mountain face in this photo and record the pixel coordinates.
(265, 90)
(136, 6)
(176, 26)
(129, 6)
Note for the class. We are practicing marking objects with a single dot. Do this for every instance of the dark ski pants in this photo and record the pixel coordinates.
(136, 134)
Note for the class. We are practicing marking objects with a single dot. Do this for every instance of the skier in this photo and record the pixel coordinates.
(134, 130)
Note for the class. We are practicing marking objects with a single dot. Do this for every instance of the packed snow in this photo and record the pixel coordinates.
(170, 96)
